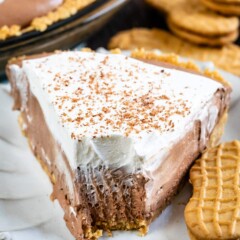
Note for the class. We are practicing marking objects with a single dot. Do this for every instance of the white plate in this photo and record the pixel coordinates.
(26, 211)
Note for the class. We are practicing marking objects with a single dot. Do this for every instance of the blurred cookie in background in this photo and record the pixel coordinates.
(225, 7)
(226, 57)
(192, 21)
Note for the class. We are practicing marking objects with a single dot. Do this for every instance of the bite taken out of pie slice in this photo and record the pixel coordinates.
(115, 134)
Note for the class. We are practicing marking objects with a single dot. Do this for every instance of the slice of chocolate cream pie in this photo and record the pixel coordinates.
(115, 134)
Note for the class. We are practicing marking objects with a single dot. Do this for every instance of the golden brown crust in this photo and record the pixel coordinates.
(67, 9)
(173, 59)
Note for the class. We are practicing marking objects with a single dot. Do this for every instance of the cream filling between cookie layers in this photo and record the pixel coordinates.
(141, 152)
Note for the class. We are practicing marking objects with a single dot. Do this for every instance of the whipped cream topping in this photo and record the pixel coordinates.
(114, 110)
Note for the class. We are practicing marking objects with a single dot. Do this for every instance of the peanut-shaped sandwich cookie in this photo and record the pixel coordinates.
(213, 212)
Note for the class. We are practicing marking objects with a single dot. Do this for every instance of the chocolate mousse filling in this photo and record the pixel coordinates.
(102, 198)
